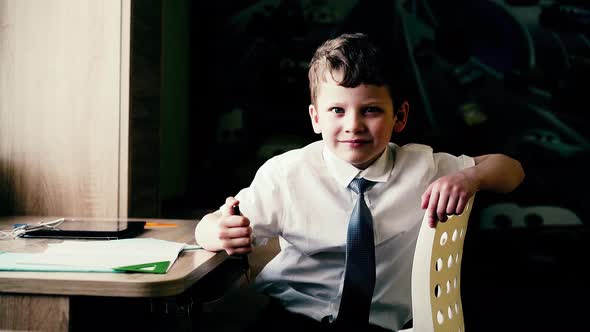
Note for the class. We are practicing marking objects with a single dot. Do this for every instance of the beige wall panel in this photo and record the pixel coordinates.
(61, 83)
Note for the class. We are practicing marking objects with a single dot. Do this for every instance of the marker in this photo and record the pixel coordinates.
(159, 224)
(236, 210)
(244, 257)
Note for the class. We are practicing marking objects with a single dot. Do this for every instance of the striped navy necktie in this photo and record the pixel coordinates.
(359, 276)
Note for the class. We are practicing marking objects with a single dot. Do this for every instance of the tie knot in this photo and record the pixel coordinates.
(359, 185)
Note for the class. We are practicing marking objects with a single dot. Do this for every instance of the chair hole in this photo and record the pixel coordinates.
(443, 238)
(439, 264)
(461, 232)
(456, 308)
(454, 237)
(455, 282)
(450, 312)
(459, 329)
(439, 317)
(450, 261)
(448, 286)
(437, 290)
(533, 220)
(457, 258)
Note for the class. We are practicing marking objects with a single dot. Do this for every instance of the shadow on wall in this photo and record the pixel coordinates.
(30, 190)
(7, 189)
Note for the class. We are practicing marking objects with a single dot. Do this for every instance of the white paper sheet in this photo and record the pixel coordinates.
(107, 254)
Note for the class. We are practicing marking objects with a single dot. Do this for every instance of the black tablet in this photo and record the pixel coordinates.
(89, 229)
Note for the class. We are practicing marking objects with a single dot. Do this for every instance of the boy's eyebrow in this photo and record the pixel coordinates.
(368, 103)
(336, 104)
(375, 102)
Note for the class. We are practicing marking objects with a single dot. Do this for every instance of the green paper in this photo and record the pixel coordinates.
(156, 267)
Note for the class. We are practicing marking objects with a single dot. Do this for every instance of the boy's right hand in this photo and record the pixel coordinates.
(234, 231)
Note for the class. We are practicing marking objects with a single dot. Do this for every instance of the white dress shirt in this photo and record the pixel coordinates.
(302, 197)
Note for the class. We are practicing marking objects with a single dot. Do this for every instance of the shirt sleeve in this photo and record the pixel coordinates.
(447, 163)
(261, 202)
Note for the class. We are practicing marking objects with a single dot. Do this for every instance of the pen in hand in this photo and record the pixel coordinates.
(236, 210)
(246, 265)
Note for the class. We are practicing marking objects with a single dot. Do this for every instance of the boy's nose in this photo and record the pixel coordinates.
(354, 122)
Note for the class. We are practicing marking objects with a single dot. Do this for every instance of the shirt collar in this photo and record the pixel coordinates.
(343, 172)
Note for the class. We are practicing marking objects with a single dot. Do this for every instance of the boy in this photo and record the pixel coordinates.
(303, 197)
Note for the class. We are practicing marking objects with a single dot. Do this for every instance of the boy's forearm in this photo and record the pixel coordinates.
(497, 172)
(205, 232)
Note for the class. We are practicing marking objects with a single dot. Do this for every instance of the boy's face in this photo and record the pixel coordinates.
(356, 123)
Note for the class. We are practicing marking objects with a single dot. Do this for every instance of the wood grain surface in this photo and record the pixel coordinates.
(64, 82)
(39, 313)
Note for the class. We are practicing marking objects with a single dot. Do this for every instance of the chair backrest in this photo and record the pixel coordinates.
(436, 275)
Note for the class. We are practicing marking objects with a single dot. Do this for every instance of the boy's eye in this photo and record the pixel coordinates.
(337, 110)
(372, 110)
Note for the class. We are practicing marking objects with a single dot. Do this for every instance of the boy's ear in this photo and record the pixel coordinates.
(401, 117)
(315, 121)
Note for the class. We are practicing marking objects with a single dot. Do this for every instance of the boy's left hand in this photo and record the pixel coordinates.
(448, 195)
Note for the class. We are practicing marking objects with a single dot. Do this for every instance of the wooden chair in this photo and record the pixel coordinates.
(436, 275)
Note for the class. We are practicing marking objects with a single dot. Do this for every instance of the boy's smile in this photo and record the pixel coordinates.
(356, 123)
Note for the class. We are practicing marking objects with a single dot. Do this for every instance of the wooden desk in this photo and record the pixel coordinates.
(47, 300)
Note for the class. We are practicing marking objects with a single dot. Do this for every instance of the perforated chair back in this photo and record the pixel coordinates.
(436, 275)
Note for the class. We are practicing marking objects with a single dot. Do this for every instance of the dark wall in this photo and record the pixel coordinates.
(249, 81)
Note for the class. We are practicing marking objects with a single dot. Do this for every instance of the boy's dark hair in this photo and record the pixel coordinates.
(359, 60)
